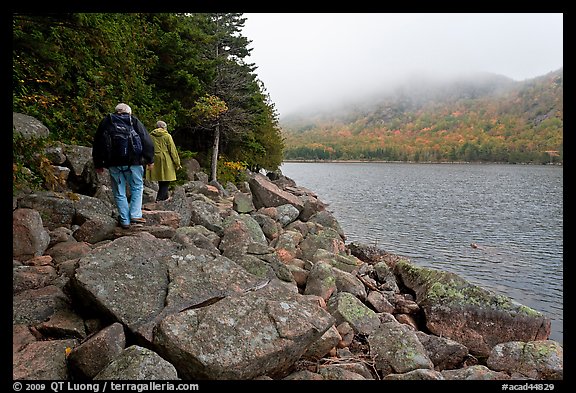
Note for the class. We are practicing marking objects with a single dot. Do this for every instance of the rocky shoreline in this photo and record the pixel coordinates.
(253, 281)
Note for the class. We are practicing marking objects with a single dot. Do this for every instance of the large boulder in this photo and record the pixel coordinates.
(261, 332)
(268, 194)
(29, 238)
(468, 314)
(28, 127)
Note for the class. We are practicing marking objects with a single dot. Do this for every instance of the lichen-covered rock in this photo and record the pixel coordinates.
(471, 315)
(345, 307)
(535, 360)
(139, 364)
(477, 372)
(396, 349)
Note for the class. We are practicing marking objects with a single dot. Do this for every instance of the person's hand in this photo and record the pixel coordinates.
(150, 166)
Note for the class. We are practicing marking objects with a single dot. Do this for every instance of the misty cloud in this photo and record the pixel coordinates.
(310, 59)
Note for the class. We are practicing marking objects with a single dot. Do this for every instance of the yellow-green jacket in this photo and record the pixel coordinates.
(166, 158)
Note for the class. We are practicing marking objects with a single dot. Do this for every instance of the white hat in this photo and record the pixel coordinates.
(161, 124)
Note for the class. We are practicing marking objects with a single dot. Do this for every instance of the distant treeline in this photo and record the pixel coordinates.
(492, 120)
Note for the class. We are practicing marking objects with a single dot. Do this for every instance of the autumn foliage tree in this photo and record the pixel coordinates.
(210, 110)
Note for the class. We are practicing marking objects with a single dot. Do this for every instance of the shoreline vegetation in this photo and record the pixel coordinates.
(484, 120)
(416, 162)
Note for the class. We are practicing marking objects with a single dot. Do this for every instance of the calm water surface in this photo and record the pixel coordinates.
(432, 213)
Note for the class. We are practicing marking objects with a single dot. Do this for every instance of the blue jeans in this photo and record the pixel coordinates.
(132, 176)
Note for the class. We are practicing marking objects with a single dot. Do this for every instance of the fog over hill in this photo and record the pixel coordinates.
(326, 58)
(475, 117)
(414, 92)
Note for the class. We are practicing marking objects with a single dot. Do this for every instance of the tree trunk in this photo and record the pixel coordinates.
(214, 164)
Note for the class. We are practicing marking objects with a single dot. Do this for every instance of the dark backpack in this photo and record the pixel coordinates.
(124, 144)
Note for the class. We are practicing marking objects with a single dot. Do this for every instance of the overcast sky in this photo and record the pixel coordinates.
(306, 59)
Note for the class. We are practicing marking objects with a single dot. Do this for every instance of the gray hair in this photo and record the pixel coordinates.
(161, 124)
(123, 108)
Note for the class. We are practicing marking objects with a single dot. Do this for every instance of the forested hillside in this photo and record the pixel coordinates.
(486, 118)
(70, 70)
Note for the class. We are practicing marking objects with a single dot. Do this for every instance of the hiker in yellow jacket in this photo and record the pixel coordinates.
(166, 160)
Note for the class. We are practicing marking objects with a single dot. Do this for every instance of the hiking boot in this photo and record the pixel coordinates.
(139, 220)
(124, 226)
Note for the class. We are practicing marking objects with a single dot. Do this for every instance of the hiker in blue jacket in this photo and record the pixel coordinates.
(122, 144)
